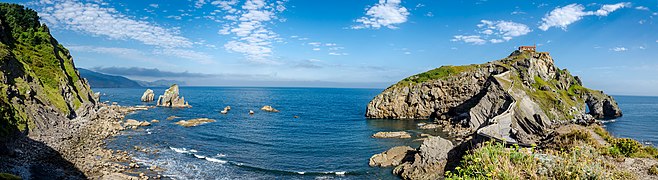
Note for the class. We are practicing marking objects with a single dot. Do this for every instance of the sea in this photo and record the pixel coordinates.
(319, 133)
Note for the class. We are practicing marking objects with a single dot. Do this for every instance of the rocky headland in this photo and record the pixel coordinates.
(519, 101)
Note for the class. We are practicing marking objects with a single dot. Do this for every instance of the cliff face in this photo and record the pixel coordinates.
(41, 87)
(526, 86)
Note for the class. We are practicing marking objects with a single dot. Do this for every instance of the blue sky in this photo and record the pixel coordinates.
(346, 43)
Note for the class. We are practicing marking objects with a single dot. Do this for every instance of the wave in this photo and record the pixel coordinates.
(193, 153)
(284, 172)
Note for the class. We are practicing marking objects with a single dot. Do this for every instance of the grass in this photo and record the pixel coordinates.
(438, 73)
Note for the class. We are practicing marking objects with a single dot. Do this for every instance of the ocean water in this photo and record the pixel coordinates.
(639, 120)
(330, 139)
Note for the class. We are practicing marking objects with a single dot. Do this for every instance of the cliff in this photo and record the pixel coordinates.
(523, 95)
(41, 87)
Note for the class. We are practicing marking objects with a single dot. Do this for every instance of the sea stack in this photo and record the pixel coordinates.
(148, 95)
(171, 99)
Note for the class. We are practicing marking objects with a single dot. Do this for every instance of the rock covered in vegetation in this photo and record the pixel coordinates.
(397, 134)
(428, 162)
(392, 157)
(148, 96)
(171, 98)
(194, 122)
(471, 96)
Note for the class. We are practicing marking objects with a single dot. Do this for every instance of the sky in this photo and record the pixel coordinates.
(611, 45)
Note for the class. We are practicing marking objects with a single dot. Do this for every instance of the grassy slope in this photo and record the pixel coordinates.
(43, 60)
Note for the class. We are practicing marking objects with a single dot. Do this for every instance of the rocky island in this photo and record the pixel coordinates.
(519, 101)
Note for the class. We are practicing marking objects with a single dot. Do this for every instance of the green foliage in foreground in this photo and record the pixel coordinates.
(495, 161)
(8, 176)
(625, 147)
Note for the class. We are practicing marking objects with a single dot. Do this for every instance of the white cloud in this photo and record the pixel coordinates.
(494, 32)
(316, 49)
(642, 8)
(200, 3)
(249, 26)
(154, 5)
(191, 55)
(386, 13)
(101, 21)
(564, 16)
(619, 49)
(124, 53)
(472, 39)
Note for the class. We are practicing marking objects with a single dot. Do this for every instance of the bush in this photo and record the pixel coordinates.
(626, 146)
(653, 170)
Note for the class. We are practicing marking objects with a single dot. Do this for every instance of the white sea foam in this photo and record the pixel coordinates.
(194, 151)
(340, 173)
(301, 172)
(199, 156)
(216, 160)
(179, 150)
(221, 155)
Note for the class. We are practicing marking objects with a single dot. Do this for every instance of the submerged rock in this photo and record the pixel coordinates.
(392, 157)
(172, 117)
(148, 96)
(398, 134)
(194, 122)
(269, 109)
(429, 161)
(171, 99)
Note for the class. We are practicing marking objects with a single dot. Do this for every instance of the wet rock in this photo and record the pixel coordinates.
(194, 122)
(391, 157)
(226, 109)
(269, 109)
(172, 118)
(398, 134)
(429, 126)
(135, 123)
(429, 161)
(118, 176)
(155, 121)
(251, 112)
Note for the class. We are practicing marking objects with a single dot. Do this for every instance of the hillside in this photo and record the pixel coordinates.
(100, 80)
(527, 86)
(38, 75)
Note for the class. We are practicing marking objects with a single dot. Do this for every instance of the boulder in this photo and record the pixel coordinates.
(226, 109)
(429, 161)
(155, 121)
(194, 122)
(392, 157)
(397, 134)
(148, 95)
(135, 123)
(251, 112)
(269, 109)
(171, 99)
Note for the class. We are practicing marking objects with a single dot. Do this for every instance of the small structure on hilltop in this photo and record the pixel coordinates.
(528, 48)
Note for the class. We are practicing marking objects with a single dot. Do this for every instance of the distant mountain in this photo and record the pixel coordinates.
(160, 83)
(100, 80)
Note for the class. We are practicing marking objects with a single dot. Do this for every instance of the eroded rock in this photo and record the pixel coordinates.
(397, 134)
(194, 122)
(392, 157)
(171, 98)
(428, 162)
(148, 96)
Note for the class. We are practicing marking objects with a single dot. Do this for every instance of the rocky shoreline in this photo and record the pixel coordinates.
(73, 150)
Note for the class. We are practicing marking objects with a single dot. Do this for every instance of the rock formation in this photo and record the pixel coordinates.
(171, 99)
(524, 94)
(269, 109)
(397, 134)
(148, 96)
(392, 157)
(226, 109)
(428, 162)
(194, 122)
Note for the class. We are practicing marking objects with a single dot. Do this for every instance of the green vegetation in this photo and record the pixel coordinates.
(8, 176)
(625, 147)
(438, 73)
(653, 170)
(35, 65)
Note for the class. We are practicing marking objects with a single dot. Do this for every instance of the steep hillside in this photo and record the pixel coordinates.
(40, 84)
(100, 80)
(523, 94)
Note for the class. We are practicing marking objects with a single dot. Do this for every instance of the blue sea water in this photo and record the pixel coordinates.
(639, 120)
(331, 139)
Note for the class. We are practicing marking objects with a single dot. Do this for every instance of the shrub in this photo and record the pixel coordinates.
(653, 170)
(626, 146)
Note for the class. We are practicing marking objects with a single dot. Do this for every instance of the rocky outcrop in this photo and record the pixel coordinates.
(428, 162)
(472, 96)
(194, 122)
(148, 96)
(602, 106)
(171, 98)
(134, 123)
(397, 134)
(392, 157)
(269, 109)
